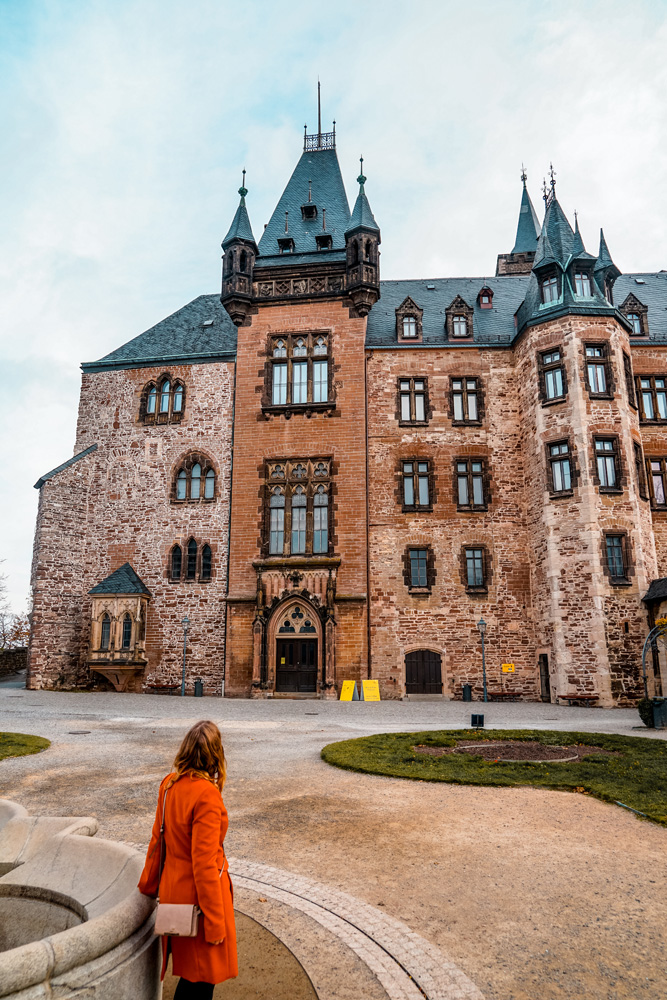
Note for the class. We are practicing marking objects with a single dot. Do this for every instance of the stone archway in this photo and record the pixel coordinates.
(295, 648)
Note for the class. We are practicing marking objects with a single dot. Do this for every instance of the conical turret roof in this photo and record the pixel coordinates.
(528, 228)
(362, 216)
(240, 228)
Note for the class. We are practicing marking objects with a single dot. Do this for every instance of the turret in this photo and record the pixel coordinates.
(240, 251)
(605, 271)
(520, 260)
(362, 239)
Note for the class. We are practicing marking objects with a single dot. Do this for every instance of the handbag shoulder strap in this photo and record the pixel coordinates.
(163, 846)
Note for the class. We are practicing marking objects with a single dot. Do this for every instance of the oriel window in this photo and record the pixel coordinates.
(412, 393)
(105, 637)
(465, 400)
(658, 474)
(470, 483)
(652, 397)
(606, 457)
(127, 631)
(416, 489)
(582, 284)
(561, 470)
(552, 374)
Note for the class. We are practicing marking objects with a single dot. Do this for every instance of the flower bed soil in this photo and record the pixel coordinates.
(520, 750)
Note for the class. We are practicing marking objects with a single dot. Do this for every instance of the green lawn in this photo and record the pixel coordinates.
(20, 744)
(636, 778)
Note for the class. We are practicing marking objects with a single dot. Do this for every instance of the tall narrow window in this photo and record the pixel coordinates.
(127, 631)
(652, 397)
(475, 568)
(470, 483)
(550, 289)
(192, 559)
(105, 638)
(176, 561)
(658, 469)
(320, 520)
(460, 326)
(416, 489)
(279, 397)
(195, 481)
(582, 285)
(209, 484)
(320, 381)
(412, 395)
(418, 567)
(409, 327)
(182, 485)
(596, 369)
(616, 558)
(561, 471)
(552, 375)
(178, 398)
(206, 562)
(164, 397)
(606, 455)
(277, 525)
(299, 502)
(636, 323)
(629, 381)
(465, 406)
(151, 400)
(640, 470)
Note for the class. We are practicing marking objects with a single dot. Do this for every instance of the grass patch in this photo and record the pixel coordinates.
(637, 777)
(20, 744)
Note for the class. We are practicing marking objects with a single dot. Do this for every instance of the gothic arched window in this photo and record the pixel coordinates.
(277, 522)
(105, 638)
(176, 562)
(165, 392)
(299, 502)
(151, 399)
(127, 631)
(178, 398)
(242, 261)
(162, 401)
(188, 482)
(192, 560)
(206, 562)
(195, 481)
(209, 485)
(320, 520)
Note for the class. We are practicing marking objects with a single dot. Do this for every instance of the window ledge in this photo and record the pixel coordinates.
(600, 395)
(659, 508)
(419, 591)
(426, 509)
(199, 500)
(413, 423)
(613, 490)
(474, 591)
(287, 409)
(552, 402)
(652, 420)
(620, 582)
(472, 509)
(466, 423)
(558, 494)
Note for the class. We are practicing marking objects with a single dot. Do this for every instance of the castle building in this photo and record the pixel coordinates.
(320, 476)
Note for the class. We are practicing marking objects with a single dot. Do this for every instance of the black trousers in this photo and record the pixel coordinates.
(193, 991)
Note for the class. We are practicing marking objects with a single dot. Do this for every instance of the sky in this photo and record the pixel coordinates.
(124, 126)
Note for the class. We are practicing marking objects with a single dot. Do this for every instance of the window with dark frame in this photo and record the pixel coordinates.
(459, 326)
(560, 468)
(127, 631)
(416, 484)
(418, 567)
(409, 327)
(465, 400)
(412, 400)
(549, 289)
(470, 490)
(636, 323)
(658, 481)
(582, 284)
(105, 638)
(640, 469)
(652, 394)
(552, 375)
(597, 370)
(475, 568)
(298, 507)
(206, 562)
(162, 401)
(629, 380)
(176, 562)
(191, 571)
(606, 461)
(299, 370)
(195, 480)
(617, 563)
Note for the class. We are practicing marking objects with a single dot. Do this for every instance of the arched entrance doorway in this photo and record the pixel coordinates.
(423, 672)
(297, 650)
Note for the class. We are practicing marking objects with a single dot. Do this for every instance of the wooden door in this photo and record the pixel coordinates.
(423, 672)
(296, 665)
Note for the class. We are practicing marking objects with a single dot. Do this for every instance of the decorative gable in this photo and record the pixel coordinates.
(409, 321)
(637, 313)
(458, 322)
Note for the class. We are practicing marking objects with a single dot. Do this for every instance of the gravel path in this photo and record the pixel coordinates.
(531, 893)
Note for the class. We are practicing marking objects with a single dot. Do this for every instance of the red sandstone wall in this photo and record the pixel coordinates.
(114, 506)
(650, 359)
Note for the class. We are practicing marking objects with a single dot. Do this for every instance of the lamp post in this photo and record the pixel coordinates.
(184, 623)
(481, 625)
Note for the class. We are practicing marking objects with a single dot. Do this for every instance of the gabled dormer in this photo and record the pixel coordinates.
(409, 322)
(459, 320)
(636, 314)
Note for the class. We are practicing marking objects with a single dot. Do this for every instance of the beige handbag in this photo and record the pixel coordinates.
(175, 919)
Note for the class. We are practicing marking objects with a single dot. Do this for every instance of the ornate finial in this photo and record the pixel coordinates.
(243, 189)
(524, 175)
(552, 174)
(361, 180)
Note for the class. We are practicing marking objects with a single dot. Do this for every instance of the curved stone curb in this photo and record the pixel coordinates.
(407, 966)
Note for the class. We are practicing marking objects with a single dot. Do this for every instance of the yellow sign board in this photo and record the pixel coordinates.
(508, 668)
(348, 691)
(370, 691)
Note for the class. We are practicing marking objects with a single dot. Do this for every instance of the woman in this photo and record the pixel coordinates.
(194, 868)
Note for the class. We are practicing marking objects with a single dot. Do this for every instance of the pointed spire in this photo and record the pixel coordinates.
(362, 216)
(558, 235)
(605, 266)
(528, 228)
(578, 247)
(240, 228)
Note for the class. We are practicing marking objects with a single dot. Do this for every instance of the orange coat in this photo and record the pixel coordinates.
(194, 830)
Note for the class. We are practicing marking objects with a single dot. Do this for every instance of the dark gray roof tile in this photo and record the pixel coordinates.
(59, 468)
(122, 581)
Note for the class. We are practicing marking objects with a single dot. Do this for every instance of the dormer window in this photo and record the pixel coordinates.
(582, 285)
(636, 314)
(459, 326)
(485, 298)
(409, 320)
(309, 211)
(550, 289)
(636, 322)
(286, 244)
(409, 327)
(324, 241)
(459, 320)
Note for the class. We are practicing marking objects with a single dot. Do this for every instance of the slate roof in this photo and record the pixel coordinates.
(362, 216)
(122, 581)
(59, 468)
(328, 192)
(490, 326)
(651, 290)
(657, 591)
(240, 228)
(180, 337)
(528, 228)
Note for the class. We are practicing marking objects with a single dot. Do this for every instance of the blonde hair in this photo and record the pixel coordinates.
(201, 755)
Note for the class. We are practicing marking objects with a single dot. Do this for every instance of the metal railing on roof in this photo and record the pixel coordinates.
(321, 140)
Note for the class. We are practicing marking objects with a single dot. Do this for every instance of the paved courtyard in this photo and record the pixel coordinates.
(529, 893)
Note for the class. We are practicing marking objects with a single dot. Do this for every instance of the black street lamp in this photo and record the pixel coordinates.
(184, 623)
(481, 625)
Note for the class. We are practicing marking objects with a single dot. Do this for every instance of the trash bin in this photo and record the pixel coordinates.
(477, 721)
(199, 688)
(660, 713)
(467, 692)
